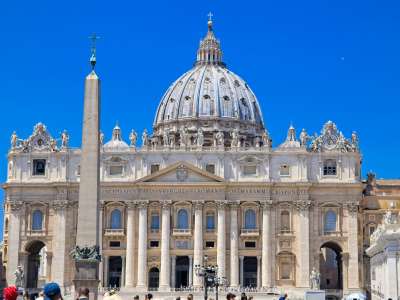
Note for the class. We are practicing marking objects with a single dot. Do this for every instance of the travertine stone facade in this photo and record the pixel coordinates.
(206, 182)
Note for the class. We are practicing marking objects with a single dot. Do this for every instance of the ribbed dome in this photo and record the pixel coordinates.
(209, 96)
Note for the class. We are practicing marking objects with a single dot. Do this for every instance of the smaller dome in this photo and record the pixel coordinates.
(116, 144)
(291, 143)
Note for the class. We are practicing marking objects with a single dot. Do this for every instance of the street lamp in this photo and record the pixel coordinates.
(210, 275)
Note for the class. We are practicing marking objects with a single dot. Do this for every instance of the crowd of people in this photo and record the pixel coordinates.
(52, 291)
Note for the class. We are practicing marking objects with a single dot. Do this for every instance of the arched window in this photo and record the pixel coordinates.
(250, 219)
(155, 221)
(37, 220)
(210, 221)
(285, 221)
(183, 220)
(116, 219)
(330, 221)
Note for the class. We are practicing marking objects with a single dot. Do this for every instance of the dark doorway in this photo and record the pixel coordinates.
(330, 266)
(250, 271)
(182, 271)
(114, 271)
(154, 278)
(33, 263)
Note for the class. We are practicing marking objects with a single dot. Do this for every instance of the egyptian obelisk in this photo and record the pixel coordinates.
(86, 254)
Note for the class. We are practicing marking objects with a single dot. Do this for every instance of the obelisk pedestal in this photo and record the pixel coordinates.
(86, 253)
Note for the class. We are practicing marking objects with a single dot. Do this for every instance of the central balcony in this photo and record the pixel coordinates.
(181, 232)
(250, 232)
(114, 232)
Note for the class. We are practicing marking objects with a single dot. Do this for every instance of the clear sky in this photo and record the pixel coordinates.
(307, 62)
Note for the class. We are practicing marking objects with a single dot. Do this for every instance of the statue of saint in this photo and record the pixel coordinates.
(315, 278)
(304, 138)
(354, 141)
(219, 139)
(53, 145)
(14, 140)
(266, 140)
(19, 277)
(101, 138)
(235, 138)
(166, 138)
(133, 138)
(200, 137)
(145, 138)
(185, 138)
(64, 139)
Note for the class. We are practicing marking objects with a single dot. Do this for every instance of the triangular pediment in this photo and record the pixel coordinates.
(181, 172)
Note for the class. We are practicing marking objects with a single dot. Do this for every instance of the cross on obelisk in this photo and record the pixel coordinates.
(93, 39)
(210, 15)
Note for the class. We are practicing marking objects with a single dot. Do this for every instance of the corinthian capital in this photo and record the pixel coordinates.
(303, 205)
(142, 203)
(234, 204)
(59, 205)
(16, 206)
(267, 204)
(166, 204)
(198, 204)
(221, 204)
(352, 207)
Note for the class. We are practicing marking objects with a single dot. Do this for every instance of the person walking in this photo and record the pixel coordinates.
(83, 293)
(230, 296)
(284, 297)
(52, 291)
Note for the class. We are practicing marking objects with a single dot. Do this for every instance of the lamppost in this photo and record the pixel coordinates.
(211, 279)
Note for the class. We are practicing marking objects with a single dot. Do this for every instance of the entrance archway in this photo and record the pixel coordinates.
(33, 263)
(154, 278)
(330, 266)
(182, 271)
(250, 271)
(114, 271)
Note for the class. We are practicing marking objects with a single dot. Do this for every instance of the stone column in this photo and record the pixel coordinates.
(49, 257)
(190, 270)
(266, 245)
(105, 275)
(173, 273)
(142, 247)
(352, 216)
(241, 259)
(14, 228)
(258, 272)
(221, 242)
(60, 253)
(198, 241)
(392, 272)
(165, 240)
(130, 245)
(123, 271)
(303, 244)
(234, 236)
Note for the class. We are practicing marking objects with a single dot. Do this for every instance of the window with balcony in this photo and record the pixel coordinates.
(155, 222)
(183, 219)
(39, 167)
(330, 221)
(154, 168)
(116, 170)
(250, 219)
(329, 167)
(210, 168)
(284, 170)
(37, 220)
(210, 221)
(116, 219)
(285, 221)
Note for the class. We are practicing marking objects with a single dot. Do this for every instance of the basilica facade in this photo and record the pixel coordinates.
(206, 186)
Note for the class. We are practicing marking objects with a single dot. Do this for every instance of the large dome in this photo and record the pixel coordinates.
(210, 97)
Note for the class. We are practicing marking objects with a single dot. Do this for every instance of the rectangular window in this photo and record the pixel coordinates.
(249, 170)
(155, 221)
(210, 222)
(116, 170)
(78, 170)
(210, 244)
(154, 168)
(329, 167)
(39, 167)
(371, 230)
(210, 168)
(154, 244)
(284, 170)
(249, 244)
(115, 244)
(285, 270)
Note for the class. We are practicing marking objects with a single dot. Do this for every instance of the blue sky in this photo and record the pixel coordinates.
(307, 62)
